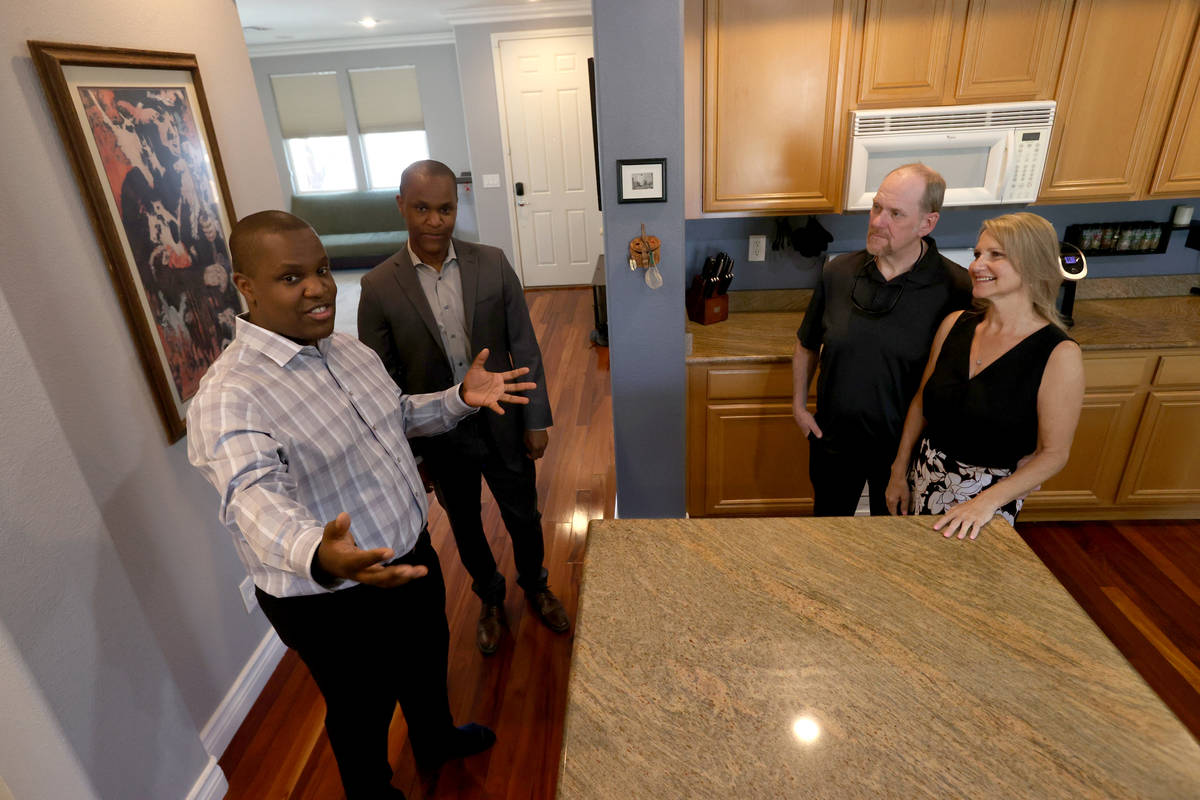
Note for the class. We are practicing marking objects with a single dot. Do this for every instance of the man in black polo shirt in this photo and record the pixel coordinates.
(870, 325)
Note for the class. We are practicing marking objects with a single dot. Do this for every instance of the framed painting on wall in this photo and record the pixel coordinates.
(140, 140)
(642, 180)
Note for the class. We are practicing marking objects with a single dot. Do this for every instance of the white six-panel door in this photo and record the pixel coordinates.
(548, 120)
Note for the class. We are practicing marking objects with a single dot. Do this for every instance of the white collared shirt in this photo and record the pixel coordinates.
(292, 435)
(443, 291)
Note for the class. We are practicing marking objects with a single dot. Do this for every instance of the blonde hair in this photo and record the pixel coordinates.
(1031, 245)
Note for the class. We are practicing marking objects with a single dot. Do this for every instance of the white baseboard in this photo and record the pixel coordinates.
(211, 785)
(238, 701)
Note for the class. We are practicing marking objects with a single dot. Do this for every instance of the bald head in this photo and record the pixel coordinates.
(935, 185)
(428, 169)
(245, 242)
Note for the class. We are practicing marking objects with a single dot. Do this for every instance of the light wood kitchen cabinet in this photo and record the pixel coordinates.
(1178, 173)
(1112, 405)
(773, 110)
(943, 52)
(746, 455)
(1120, 74)
(1012, 50)
(910, 52)
(757, 461)
(1135, 450)
(1161, 470)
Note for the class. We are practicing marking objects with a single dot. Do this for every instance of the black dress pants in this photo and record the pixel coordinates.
(838, 476)
(456, 471)
(369, 648)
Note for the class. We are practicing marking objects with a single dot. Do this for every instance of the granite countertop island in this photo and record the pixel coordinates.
(845, 658)
(1101, 324)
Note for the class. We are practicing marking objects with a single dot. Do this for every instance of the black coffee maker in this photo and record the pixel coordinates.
(1073, 267)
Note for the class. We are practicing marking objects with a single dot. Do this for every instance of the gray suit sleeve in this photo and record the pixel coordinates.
(522, 343)
(375, 331)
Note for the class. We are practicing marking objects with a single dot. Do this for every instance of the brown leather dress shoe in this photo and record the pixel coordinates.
(490, 628)
(550, 610)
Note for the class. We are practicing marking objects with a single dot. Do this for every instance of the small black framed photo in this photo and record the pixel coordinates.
(642, 180)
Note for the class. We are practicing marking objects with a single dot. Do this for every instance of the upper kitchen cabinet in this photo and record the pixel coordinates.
(773, 110)
(907, 50)
(1178, 172)
(945, 52)
(1119, 79)
(1011, 50)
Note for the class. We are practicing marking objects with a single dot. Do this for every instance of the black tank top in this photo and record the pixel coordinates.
(990, 420)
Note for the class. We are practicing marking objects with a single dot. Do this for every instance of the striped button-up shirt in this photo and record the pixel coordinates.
(293, 435)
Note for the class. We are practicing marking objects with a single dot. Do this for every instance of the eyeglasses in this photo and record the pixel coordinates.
(883, 298)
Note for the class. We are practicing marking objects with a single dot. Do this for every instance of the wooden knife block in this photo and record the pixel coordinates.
(705, 310)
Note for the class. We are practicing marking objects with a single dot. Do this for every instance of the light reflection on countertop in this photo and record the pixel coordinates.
(849, 658)
(806, 730)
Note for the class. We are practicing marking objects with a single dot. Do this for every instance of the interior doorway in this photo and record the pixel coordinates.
(546, 125)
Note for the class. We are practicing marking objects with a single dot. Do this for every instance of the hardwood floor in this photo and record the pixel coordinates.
(281, 750)
(1139, 581)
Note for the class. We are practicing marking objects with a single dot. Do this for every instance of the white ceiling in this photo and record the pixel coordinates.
(293, 26)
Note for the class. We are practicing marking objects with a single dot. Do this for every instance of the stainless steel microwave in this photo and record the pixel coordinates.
(989, 153)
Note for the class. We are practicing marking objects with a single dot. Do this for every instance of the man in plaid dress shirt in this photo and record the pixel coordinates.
(304, 433)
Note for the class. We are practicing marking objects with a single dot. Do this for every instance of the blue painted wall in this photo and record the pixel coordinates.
(958, 227)
(639, 113)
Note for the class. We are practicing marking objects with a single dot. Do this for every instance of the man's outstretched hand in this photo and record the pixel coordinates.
(340, 556)
(481, 388)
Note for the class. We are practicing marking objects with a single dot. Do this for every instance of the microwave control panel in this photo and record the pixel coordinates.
(1029, 157)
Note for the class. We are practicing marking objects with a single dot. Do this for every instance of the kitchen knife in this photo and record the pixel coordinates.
(725, 276)
(708, 275)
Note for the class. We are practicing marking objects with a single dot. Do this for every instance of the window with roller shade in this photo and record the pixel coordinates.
(387, 108)
(315, 138)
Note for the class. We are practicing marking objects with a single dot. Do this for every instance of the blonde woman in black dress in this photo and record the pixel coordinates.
(1001, 394)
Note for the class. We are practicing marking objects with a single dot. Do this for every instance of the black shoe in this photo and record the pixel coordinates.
(466, 740)
(549, 609)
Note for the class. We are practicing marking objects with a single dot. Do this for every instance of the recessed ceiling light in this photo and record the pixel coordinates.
(368, 22)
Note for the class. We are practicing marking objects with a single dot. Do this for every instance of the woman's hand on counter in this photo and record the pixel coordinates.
(969, 517)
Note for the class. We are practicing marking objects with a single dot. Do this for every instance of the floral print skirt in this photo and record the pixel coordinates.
(939, 482)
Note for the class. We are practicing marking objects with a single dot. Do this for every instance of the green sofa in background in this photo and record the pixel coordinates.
(358, 229)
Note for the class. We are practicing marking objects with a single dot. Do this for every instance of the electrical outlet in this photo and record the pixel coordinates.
(758, 248)
(247, 587)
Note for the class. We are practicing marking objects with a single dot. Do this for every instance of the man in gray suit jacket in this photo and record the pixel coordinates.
(427, 311)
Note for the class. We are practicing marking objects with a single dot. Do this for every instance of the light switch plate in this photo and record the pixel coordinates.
(758, 248)
(491, 180)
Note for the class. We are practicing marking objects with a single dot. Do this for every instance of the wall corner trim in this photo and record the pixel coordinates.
(238, 701)
(211, 785)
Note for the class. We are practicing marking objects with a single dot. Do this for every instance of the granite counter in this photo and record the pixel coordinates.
(1103, 324)
(847, 658)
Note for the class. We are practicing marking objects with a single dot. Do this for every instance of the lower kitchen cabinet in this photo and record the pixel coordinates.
(1164, 464)
(757, 461)
(746, 456)
(1136, 452)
